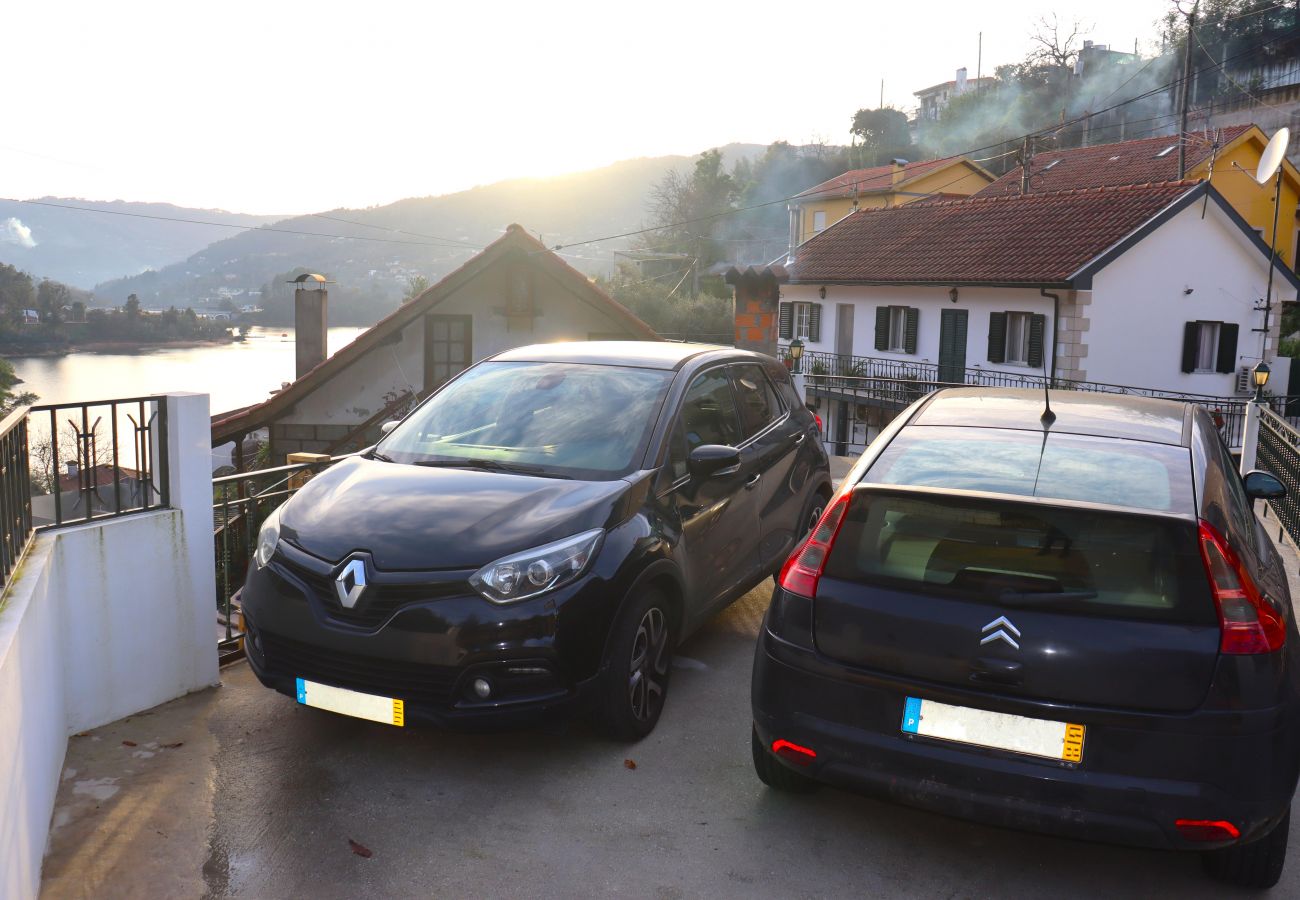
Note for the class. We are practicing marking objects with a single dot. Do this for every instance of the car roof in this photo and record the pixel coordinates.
(1077, 412)
(642, 354)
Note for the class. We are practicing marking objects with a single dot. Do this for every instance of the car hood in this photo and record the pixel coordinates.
(421, 518)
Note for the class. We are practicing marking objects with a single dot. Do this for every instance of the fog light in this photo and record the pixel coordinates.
(800, 756)
(1207, 830)
(482, 688)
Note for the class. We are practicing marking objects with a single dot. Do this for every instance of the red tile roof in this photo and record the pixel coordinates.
(1035, 239)
(877, 178)
(1105, 165)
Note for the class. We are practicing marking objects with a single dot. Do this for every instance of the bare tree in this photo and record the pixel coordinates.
(1055, 43)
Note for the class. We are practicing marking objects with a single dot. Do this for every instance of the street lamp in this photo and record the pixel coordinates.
(796, 351)
(1260, 373)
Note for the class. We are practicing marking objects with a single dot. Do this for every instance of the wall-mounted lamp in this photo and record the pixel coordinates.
(1260, 373)
(821, 292)
(796, 351)
(952, 295)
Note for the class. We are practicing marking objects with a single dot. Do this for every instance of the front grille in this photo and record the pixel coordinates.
(413, 682)
(378, 603)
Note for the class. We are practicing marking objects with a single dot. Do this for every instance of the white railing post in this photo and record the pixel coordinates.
(800, 386)
(1250, 436)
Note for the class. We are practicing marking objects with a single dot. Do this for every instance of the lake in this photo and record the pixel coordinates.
(235, 375)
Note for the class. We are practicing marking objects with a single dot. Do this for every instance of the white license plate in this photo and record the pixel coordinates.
(1000, 731)
(388, 710)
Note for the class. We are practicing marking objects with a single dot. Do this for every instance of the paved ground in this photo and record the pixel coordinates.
(261, 798)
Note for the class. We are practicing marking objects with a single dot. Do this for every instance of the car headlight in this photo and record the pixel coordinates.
(533, 572)
(267, 538)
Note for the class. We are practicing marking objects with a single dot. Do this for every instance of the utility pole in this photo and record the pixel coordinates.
(882, 94)
(1186, 93)
(979, 60)
(1026, 154)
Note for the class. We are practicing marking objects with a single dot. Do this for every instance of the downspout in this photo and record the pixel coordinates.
(1056, 315)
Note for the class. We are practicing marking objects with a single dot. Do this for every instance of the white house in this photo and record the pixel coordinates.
(1157, 286)
(515, 292)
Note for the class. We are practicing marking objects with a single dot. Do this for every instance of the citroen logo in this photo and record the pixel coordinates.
(1004, 632)
(351, 583)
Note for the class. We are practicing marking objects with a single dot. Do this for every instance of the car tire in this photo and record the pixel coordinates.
(812, 512)
(638, 665)
(1254, 865)
(775, 775)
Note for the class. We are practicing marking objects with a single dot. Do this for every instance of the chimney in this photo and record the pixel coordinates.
(73, 468)
(896, 171)
(310, 319)
(961, 81)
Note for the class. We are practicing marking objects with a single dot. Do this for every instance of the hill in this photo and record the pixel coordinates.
(372, 253)
(82, 249)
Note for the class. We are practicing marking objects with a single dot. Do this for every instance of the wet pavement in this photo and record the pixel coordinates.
(240, 792)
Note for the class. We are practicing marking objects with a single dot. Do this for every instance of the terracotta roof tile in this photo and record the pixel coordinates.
(1128, 162)
(877, 178)
(1035, 239)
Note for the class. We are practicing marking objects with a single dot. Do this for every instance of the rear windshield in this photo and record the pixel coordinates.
(1024, 554)
(1056, 466)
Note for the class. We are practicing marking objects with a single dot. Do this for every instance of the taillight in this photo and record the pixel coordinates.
(1207, 830)
(800, 756)
(802, 570)
(1248, 622)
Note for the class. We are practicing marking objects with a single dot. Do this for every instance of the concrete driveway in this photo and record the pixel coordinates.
(261, 798)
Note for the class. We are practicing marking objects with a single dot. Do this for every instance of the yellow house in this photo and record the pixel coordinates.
(1227, 157)
(819, 207)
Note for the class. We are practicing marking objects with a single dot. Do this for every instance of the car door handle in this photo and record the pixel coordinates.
(799, 439)
(753, 480)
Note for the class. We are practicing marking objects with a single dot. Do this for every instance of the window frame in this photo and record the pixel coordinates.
(1024, 321)
(1210, 348)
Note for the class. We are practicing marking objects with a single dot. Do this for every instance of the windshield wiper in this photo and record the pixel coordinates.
(491, 465)
(375, 454)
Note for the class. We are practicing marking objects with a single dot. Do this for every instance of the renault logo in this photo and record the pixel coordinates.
(1004, 632)
(351, 583)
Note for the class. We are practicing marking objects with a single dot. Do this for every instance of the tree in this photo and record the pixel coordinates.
(1056, 44)
(684, 209)
(883, 133)
(415, 286)
(9, 398)
(131, 307)
(51, 297)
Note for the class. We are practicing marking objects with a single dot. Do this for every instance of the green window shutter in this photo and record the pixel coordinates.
(1227, 347)
(785, 321)
(815, 322)
(1036, 324)
(997, 337)
(1191, 331)
(909, 329)
(882, 327)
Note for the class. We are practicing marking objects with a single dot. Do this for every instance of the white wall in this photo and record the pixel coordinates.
(356, 393)
(99, 622)
(1139, 303)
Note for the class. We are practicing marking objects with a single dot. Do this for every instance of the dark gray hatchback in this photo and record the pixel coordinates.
(1073, 625)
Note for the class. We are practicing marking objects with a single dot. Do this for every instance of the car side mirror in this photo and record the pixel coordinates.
(388, 426)
(708, 460)
(1261, 485)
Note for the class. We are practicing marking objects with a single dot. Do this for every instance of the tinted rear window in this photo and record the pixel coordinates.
(1054, 466)
(1024, 554)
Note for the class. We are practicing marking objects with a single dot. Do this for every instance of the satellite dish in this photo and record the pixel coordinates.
(1273, 155)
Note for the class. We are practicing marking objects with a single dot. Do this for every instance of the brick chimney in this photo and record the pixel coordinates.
(310, 319)
(896, 170)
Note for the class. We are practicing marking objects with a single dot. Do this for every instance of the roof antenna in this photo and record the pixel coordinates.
(1048, 417)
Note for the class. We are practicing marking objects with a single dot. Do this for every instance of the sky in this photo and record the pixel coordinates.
(287, 107)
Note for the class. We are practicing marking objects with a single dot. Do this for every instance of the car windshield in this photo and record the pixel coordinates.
(585, 421)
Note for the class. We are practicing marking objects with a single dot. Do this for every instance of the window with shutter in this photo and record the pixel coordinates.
(913, 316)
(1036, 326)
(1191, 333)
(1227, 355)
(882, 327)
(814, 322)
(1209, 346)
(997, 337)
(785, 322)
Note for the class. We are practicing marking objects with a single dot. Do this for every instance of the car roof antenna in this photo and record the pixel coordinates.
(1048, 417)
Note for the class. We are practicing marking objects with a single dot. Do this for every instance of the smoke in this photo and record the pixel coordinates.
(13, 231)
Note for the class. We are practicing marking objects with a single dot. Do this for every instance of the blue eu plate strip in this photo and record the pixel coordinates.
(911, 713)
(302, 691)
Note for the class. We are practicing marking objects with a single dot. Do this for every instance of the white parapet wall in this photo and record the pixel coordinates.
(99, 622)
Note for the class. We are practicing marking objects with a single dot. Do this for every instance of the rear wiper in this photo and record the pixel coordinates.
(1029, 598)
(491, 465)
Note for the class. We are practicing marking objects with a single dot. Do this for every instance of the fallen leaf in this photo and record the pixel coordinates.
(173, 746)
(359, 850)
(129, 744)
(629, 763)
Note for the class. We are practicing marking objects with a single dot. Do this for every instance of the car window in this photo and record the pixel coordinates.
(759, 406)
(677, 453)
(1057, 466)
(709, 411)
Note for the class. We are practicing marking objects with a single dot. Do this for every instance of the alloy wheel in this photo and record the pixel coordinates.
(648, 669)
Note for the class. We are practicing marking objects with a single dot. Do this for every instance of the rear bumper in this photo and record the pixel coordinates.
(854, 727)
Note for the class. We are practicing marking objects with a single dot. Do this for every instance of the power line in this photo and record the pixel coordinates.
(433, 237)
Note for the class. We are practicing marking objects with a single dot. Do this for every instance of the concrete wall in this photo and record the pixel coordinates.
(102, 621)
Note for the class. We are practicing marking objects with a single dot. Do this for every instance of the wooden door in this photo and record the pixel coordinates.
(448, 348)
(952, 346)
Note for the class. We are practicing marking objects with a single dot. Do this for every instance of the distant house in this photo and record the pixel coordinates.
(515, 292)
(1127, 285)
(31, 317)
(96, 490)
(932, 101)
(1227, 156)
(821, 206)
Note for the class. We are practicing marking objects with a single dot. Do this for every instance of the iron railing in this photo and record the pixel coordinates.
(241, 502)
(97, 460)
(1278, 451)
(15, 494)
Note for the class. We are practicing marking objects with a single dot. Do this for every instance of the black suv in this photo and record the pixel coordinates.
(544, 529)
(1069, 622)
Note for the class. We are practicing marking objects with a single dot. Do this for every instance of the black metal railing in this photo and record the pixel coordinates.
(241, 503)
(1278, 451)
(15, 494)
(97, 460)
